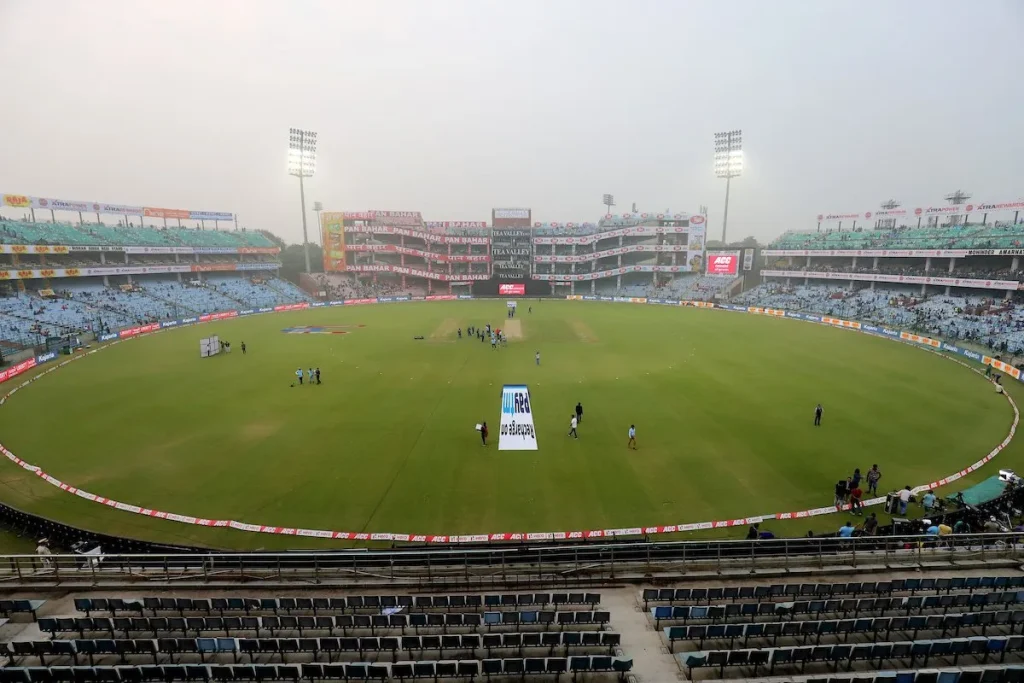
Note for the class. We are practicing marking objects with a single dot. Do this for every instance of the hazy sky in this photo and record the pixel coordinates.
(452, 108)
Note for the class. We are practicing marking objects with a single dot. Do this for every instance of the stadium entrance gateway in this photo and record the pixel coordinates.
(516, 432)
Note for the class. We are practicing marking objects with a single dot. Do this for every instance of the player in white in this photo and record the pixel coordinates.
(309, 376)
(572, 427)
(298, 373)
(632, 437)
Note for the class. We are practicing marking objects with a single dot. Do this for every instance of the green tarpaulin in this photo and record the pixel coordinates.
(990, 489)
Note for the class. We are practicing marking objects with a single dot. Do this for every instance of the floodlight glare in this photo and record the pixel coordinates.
(728, 164)
(302, 164)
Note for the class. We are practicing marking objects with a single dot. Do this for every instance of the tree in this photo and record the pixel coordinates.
(293, 260)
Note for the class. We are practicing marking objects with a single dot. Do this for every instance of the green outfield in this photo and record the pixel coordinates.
(723, 405)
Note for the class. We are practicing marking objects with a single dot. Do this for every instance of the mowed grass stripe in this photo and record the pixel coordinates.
(722, 403)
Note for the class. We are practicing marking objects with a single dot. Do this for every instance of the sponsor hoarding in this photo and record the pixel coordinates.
(748, 259)
(51, 203)
(333, 238)
(60, 204)
(456, 224)
(511, 289)
(153, 212)
(516, 432)
(511, 213)
(211, 216)
(20, 201)
(723, 263)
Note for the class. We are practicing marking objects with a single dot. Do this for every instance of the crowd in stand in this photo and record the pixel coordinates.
(347, 286)
(986, 321)
(88, 306)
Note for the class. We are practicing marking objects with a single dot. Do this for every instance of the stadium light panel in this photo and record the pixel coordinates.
(301, 152)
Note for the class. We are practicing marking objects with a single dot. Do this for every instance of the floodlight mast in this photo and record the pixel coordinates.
(302, 164)
(728, 165)
(609, 202)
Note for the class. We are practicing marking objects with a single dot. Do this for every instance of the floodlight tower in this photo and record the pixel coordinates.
(302, 164)
(609, 202)
(957, 198)
(888, 205)
(728, 164)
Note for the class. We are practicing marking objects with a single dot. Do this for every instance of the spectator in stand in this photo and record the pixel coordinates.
(846, 531)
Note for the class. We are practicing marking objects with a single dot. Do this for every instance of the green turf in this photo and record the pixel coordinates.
(722, 402)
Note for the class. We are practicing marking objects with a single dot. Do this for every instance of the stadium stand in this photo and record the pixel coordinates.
(331, 637)
(96, 234)
(969, 236)
(85, 305)
(978, 318)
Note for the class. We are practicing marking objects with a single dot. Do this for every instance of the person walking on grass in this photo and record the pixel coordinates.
(632, 437)
(818, 410)
(572, 427)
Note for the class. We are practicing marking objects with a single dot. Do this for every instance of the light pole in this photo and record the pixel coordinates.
(318, 207)
(302, 163)
(609, 202)
(728, 165)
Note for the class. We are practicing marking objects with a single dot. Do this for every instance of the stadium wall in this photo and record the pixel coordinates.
(927, 343)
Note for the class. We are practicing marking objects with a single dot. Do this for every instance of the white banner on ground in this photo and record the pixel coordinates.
(209, 346)
(517, 432)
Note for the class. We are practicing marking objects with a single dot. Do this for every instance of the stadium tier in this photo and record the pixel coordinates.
(630, 255)
(98, 234)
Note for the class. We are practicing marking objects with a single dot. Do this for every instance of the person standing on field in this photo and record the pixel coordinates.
(483, 432)
(536, 357)
(579, 412)
(873, 476)
(572, 427)
(298, 373)
(632, 437)
(817, 415)
(243, 348)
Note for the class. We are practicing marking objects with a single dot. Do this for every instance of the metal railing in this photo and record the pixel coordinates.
(484, 568)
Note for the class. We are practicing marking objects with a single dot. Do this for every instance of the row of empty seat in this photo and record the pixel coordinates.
(314, 605)
(830, 590)
(344, 622)
(361, 671)
(169, 648)
(879, 628)
(876, 654)
(751, 610)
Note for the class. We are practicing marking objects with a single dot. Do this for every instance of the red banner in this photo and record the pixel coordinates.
(723, 263)
(132, 331)
(16, 370)
(292, 307)
(511, 290)
(218, 316)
